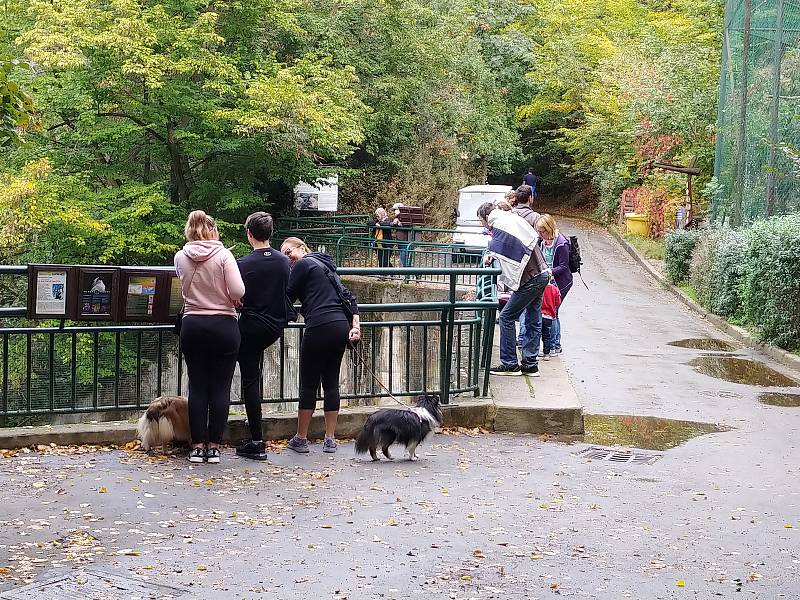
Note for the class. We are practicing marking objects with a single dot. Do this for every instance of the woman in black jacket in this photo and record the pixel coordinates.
(314, 281)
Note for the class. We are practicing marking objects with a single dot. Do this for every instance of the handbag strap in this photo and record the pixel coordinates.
(332, 277)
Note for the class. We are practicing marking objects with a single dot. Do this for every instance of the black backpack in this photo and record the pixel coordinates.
(575, 261)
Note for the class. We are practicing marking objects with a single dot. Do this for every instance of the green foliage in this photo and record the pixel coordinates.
(146, 110)
(727, 274)
(149, 111)
(439, 81)
(771, 286)
(621, 82)
(609, 183)
(751, 277)
(701, 266)
(678, 248)
(16, 107)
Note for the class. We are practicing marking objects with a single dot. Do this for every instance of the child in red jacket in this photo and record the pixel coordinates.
(551, 300)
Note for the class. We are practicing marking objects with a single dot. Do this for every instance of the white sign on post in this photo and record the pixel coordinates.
(323, 195)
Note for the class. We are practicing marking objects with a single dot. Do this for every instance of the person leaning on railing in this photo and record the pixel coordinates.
(314, 281)
(212, 287)
(514, 245)
(264, 315)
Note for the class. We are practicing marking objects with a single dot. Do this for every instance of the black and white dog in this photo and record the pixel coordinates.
(408, 426)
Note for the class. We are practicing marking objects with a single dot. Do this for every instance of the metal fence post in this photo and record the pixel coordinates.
(487, 357)
(448, 316)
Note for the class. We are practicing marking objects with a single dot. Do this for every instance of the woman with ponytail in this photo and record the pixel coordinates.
(212, 288)
(328, 329)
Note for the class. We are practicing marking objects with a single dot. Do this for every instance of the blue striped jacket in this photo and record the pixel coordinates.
(513, 245)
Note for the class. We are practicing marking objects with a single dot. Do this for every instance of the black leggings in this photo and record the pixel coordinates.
(210, 344)
(321, 353)
(256, 337)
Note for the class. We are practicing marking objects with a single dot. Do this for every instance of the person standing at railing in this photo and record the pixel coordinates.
(264, 315)
(381, 227)
(514, 246)
(401, 235)
(331, 318)
(212, 288)
(555, 248)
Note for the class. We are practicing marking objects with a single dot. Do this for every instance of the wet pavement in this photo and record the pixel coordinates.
(716, 513)
(650, 433)
(705, 344)
(478, 516)
(741, 370)
(778, 399)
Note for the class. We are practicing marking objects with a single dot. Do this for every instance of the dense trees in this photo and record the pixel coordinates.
(146, 109)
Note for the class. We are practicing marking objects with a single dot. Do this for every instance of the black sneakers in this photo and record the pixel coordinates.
(197, 455)
(505, 370)
(212, 455)
(532, 371)
(252, 450)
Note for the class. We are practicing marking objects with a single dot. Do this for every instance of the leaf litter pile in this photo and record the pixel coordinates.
(480, 515)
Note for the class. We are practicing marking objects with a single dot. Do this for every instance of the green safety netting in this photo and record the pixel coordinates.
(757, 166)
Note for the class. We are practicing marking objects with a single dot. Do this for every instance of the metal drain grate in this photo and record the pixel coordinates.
(634, 457)
(93, 584)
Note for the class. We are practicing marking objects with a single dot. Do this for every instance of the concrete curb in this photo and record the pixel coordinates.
(469, 413)
(552, 421)
(782, 356)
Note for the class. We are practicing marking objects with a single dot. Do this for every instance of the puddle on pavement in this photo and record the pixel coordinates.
(778, 399)
(705, 344)
(741, 370)
(648, 433)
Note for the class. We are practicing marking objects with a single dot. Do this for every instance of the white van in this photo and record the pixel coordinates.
(469, 231)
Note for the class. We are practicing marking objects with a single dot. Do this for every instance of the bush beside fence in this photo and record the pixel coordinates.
(678, 247)
(771, 290)
(750, 277)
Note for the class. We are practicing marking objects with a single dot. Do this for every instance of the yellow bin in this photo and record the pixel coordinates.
(637, 224)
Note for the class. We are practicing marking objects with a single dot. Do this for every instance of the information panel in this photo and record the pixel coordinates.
(97, 291)
(175, 296)
(49, 289)
(141, 296)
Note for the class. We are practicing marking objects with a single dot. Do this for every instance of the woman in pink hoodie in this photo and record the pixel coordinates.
(212, 288)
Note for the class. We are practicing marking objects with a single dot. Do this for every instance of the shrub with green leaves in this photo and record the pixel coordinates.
(771, 290)
(700, 266)
(727, 274)
(678, 249)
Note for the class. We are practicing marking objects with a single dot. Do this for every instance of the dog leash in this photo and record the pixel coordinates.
(374, 376)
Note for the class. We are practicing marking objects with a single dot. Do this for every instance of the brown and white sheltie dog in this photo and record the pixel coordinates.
(409, 426)
(166, 421)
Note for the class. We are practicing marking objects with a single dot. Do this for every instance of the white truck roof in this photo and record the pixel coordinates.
(485, 188)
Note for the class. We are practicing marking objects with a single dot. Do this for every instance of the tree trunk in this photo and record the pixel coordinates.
(182, 184)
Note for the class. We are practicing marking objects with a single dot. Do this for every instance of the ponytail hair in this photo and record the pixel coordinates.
(200, 226)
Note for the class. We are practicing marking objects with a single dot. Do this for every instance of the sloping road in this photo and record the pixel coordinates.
(479, 516)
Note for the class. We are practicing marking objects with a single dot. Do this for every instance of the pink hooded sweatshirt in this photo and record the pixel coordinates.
(210, 278)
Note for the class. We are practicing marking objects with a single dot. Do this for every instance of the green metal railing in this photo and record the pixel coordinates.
(350, 241)
(411, 347)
